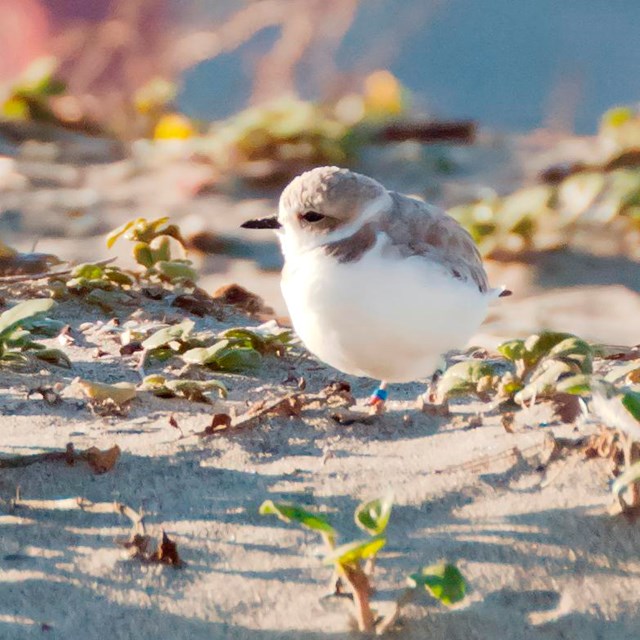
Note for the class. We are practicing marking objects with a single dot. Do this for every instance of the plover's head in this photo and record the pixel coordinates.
(324, 205)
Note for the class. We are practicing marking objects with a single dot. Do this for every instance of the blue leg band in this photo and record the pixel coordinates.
(381, 394)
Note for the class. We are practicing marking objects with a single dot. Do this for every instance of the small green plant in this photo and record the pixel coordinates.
(193, 390)
(286, 133)
(30, 97)
(198, 349)
(619, 408)
(224, 355)
(276, 139)
(570, 196)
(543, 360)
(101, 285)
(354, 562)
(234, 350)
(172, 340)
(267, 339)
(153, 241)
(16, 327)
(242, 348)
(533, 368)
(110, 287)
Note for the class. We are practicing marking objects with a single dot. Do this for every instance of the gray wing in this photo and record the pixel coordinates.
(416, 228)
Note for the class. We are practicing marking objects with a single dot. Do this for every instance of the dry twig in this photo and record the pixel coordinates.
(82, 504)
(28, 277)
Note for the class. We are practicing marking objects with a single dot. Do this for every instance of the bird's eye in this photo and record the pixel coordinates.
(312, 216)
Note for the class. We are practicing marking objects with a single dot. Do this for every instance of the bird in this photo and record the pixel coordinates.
(377, 284)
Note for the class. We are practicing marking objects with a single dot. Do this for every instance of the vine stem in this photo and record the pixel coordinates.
(361, 590)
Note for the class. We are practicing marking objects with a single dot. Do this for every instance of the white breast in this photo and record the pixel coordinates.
(384, 318)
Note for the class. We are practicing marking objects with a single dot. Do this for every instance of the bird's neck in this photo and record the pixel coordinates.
(293, 244)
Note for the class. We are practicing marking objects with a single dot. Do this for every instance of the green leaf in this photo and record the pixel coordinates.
(120, 392)
(120, 231)
(545, 379)
(106, 300)
(14, 356)
(579, 385)
(223, 355)
(246, 337)
(205, 355)
(293, 513)
(88, 271)
(578, 193)
(161, 248)
(13, 317)
(175, 270)
(21, 339)
(118, 277)
(522, 204)
(539, 345)
(631, 402)
(508, 385)
(43, 326)
(573, 350)
(443, 581)
(164, 336)
(54, 356)
(352, 552)
(463, 377)
(161, 354)
(238, 359)
(264, 343)
(373, 516)
(143, 255)
(512, 350)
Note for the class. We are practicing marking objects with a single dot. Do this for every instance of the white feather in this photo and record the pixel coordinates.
(382, 317)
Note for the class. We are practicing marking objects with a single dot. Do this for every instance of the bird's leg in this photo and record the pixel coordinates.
(378, 399)
(428, 401)
(432, 387)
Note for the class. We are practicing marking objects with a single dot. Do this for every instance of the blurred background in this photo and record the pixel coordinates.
(518, 117)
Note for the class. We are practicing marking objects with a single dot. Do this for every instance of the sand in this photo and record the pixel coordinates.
(542, 556)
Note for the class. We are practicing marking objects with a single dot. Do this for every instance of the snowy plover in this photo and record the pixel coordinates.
(377, 284)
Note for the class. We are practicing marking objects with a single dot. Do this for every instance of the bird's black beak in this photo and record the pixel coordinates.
(262, 223)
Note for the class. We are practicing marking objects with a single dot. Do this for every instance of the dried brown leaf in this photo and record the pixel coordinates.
(605, 444)
(633, 377)
(166, 553)
(102, 461)
(219, 422)
(338, 393)
(623, 354)
(241, 298)
(199, 303)
(130, 348)
(154, 293)
(49, 394)
(289, 406)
